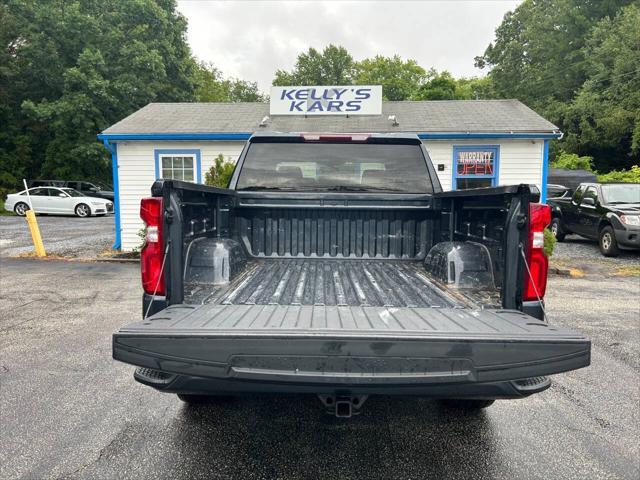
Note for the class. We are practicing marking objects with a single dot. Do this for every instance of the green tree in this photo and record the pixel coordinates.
(603, 120)
(213, 87)
(439, 86)
(333, 66)
(443, 86)
(629, 176)
(576, 63)
(538, 54)
(571, 161)
(70, 69)
(400, 79)
(220, 173)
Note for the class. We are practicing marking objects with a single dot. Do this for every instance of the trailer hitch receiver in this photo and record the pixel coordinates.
(343, 406)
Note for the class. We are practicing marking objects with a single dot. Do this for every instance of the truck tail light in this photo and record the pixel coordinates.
(152, 250)
(535, 284)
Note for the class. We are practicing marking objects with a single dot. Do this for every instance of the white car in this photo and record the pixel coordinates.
(63, 201)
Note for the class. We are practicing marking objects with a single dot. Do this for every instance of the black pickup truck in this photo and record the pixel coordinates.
(335, 265)
(606, 212)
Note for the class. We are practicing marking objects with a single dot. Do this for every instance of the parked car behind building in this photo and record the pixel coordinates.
(62, 201)
(86, 188)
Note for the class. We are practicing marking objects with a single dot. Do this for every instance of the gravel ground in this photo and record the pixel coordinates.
(62, 235)
(581, 252)
(68, 411)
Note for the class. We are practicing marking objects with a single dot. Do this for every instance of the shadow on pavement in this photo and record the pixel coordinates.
(292, 437)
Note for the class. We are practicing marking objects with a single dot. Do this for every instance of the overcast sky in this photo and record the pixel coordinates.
(251, 40)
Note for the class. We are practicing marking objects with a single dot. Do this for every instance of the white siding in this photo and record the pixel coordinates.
(136, 174)
(520, 162)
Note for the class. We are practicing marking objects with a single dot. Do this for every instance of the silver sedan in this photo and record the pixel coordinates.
(61, 201)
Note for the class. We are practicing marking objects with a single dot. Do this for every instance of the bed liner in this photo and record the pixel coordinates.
(390, 283)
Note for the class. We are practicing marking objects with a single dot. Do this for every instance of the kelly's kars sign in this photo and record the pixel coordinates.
(334, 100)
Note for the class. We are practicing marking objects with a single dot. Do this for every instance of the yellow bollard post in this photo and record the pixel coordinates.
(35, 233)
(30, 215)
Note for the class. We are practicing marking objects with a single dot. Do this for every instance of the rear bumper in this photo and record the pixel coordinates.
(188, 384)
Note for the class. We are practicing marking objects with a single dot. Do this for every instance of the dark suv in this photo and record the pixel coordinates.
(606, 212)
(87, 188)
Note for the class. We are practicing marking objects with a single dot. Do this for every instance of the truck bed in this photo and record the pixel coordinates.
(362, 283)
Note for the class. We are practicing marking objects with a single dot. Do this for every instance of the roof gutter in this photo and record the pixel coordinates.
(230, 136)
(117, 137)
(493, 135)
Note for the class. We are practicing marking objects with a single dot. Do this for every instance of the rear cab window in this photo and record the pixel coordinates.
(339, 166)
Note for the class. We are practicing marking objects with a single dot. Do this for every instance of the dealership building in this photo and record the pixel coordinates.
(472, 143)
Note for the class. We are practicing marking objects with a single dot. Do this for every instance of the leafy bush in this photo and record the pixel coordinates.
(220, 173)
(627, 176)
(549, 242)
(572, 161)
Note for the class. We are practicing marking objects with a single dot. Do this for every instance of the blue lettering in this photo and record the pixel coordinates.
(313, 95)
(315, 106)
(297, 106)
(302, 94)
(363, 93)
(353, 106)
(287, 94)
(339, 92)
(334, 106)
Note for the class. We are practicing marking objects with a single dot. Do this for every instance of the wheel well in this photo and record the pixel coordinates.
(602, 224)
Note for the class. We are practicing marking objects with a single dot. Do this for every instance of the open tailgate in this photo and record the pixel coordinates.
(350, 345)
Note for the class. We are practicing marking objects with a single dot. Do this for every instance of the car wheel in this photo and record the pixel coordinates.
(468, 405)
(21, 209)
(607, 242)
(83, 210)
(556, 229)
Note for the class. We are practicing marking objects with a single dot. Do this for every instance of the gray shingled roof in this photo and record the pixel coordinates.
(483, 116)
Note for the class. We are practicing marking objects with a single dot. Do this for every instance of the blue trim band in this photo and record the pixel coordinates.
(545, 171)
(179, 151)
(504, 136)
(114, 137)
(174, 136)
(117, 244)
(495, 178)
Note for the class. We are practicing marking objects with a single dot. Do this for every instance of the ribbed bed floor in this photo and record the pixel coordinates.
(334, 282)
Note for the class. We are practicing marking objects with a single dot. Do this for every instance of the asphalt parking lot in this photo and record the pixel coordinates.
(65, 236)
(68, 411)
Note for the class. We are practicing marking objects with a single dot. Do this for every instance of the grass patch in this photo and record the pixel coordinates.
(631, 271)
(110, 253)
(576, 273)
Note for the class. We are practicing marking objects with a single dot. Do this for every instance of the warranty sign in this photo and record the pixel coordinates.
(333, 100)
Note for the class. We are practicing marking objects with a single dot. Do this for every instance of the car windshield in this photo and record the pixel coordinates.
(621, 193)
(335, 167)
(71, 192)
(103, 186)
